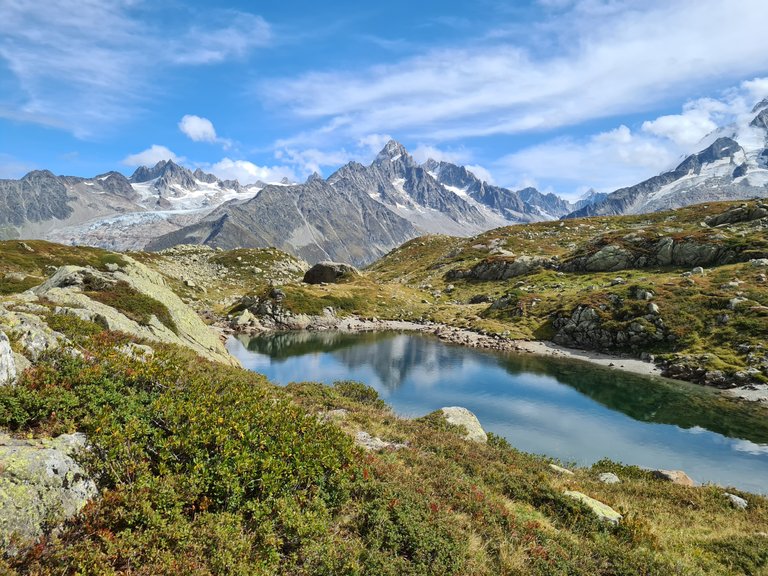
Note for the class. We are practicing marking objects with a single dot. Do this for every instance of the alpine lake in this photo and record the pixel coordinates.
(573, 411)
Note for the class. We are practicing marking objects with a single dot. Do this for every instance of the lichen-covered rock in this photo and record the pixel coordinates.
(329, 272)
(7, 361)
(602, 511)
(374, 443)
(66, 288)
(33, 334)
(459, 416)
(41, 485)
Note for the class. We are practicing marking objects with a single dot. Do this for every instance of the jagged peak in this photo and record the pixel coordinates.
(760, 105)
(392, 152)
(314, 177)
(163, 167)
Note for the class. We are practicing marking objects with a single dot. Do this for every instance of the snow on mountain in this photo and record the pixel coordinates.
(732, 164)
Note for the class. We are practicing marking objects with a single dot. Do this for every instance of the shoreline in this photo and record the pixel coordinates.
(472, 339)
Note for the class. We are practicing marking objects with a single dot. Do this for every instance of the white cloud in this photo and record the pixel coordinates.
(248, 172)
(612, 57)
(81, 65)
(151, 156)
(604, 161)
(198, 129)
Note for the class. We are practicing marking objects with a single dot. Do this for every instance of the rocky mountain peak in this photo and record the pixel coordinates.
(394, 152)
(314, 177)
(167, 168)
(204, 176)
(763, 104)
(761, 120)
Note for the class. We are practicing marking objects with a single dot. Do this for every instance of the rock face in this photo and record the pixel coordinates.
(637, 251)
(459, 416)
(7, 361)
(602, 511)
(585, 328)
(516, 206)
(502, 268)
(329, 272)
(66, 288)
(41, 485)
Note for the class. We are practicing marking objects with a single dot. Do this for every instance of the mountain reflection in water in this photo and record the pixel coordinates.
(563, 408)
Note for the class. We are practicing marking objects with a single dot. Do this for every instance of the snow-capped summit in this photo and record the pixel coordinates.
(732, 165)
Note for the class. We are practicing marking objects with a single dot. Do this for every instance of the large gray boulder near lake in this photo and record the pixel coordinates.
(41, 485)
(459, 416)
(329, 272)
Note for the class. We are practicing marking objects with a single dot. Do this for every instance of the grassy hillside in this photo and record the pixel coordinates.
(207, 469)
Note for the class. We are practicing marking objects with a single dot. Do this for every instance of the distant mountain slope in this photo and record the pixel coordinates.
(313, 220)
(527, 205)
(733, 166)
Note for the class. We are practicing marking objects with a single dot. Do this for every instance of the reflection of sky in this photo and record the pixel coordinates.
(535, 412)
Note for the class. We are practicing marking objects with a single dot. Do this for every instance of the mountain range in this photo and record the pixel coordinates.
(733, 165)
(359, 212)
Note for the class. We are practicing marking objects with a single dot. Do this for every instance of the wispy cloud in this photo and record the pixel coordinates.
(84, 64)
(618, 58)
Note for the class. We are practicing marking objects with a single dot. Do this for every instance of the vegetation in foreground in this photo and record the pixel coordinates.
(206, 469)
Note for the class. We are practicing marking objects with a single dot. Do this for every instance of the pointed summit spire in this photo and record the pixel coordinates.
(392, 152)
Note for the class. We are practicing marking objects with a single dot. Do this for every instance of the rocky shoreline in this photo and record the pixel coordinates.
(451, 334)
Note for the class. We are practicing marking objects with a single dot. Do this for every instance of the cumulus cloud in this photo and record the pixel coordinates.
(151, 156)
(199, 129)
(247, 172)
(82, 65)
(684, 129)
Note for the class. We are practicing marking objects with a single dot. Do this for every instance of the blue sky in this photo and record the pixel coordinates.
(561, 94)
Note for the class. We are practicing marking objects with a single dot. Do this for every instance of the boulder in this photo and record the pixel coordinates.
(608, 478)
(41, 485)
(329, 272)
(602, 511)
(674, 476)
(459, 416)
(736, 501)
(7, 361)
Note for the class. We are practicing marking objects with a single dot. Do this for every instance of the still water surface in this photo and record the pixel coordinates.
(569, 410)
